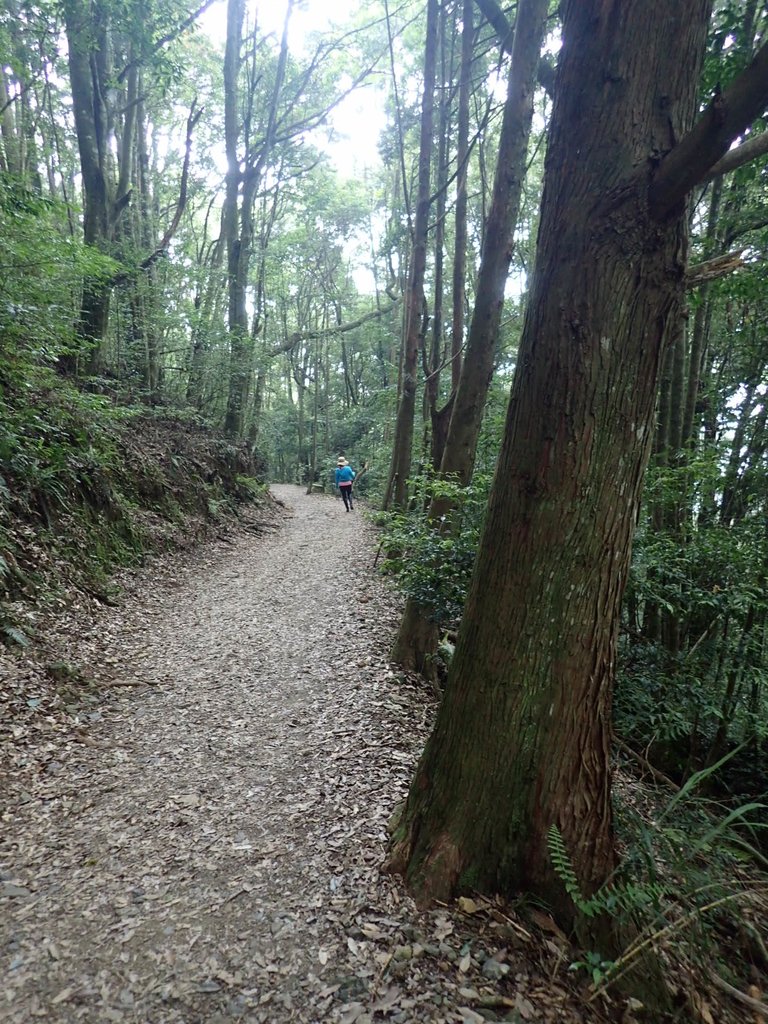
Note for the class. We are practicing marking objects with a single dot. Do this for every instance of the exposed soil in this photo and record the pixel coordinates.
(204, 844)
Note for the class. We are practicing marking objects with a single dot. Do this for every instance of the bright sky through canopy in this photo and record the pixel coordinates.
(358, 119)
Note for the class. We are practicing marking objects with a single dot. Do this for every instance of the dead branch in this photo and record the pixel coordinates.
(711, 270)
(298, 336)
(646, 765)
(742, 997)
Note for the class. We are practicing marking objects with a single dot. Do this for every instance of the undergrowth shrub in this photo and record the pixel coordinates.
(432, 562)
(87, 486)
(692, 679)
(691, 884)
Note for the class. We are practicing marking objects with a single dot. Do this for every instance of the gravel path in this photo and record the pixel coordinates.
(205, 844)
(204, 856)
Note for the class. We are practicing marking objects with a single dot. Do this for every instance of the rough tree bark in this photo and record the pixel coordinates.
(522, 738)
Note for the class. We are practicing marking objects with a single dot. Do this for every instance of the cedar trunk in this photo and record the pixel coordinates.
(522, 739)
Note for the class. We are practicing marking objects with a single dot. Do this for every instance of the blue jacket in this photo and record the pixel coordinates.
(344, 475)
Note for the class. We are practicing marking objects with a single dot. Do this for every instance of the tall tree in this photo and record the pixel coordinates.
(415, 303)
(522, 739)
(242, 190)
(462, 160)
(417, 636)
(108, 43)
(91, 71)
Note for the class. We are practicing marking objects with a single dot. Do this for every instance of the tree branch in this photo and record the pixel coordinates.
(754, 147)
(753, 222)
(712, 269)
(194, 117)
(167, 38)
(727, 116)
(742, 997)
(497, 19)
(293, 339)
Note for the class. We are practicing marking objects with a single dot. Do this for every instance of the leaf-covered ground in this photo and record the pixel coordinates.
(194, 824)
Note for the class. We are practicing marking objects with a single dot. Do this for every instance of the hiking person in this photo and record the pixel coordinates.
(344, 477)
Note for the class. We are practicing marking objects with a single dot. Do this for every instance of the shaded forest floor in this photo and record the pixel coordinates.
(197, 833)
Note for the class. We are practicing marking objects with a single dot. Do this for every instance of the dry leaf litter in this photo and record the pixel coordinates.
(193, 828)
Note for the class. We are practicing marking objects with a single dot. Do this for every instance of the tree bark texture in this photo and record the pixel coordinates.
(522, 738)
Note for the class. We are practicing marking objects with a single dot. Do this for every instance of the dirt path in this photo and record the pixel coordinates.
(207, 847)
(205, 860)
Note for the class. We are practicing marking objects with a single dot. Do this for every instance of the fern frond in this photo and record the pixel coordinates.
(611, 898)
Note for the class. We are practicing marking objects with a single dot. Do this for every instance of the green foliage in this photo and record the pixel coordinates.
(707, 579)
(613, 898)
(687, 873)
(432, 562)
(86, 486)
(594, 965)
(250, 487)
(12, 634)
(41, 268)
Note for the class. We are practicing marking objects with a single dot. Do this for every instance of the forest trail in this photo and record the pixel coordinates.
(211, 852)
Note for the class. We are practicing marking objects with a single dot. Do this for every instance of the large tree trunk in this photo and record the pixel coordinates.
(522, 738)
(417, 636)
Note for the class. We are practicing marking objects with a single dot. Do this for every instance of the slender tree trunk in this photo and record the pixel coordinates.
(728, 511)
(730, 694)
(460, 231)
(417, 636)
(672, 503)
(89, 52)
(435, 419)
(522, 738)
(659, 459)
(236, 313)
(414, 304)
(701, 322)
(469, 406)
(9, 154)
(315, 407)
(207, 299)
(239, 223)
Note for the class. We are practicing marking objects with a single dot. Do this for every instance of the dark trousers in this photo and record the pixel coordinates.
(346, 493)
